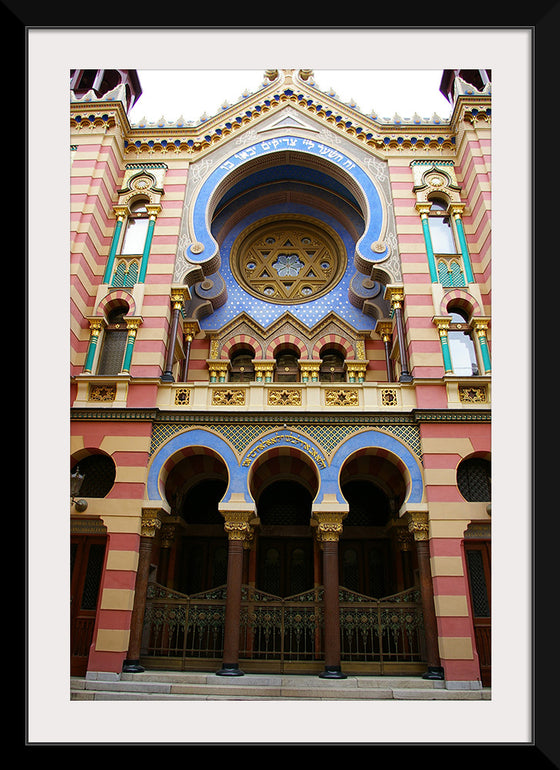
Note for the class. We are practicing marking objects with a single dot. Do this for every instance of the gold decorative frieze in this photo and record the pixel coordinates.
(284, 397)
(182, 396)
(229, 397)
(472, 394)
(341, 397)
(102, 392)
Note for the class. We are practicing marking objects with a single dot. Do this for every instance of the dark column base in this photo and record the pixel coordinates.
(231, 669)
(405, 378)
(167, 377)
(132, 667)
(434, 672)
(332, 672)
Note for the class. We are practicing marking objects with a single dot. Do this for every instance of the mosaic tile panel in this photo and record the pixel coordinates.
(327, 437)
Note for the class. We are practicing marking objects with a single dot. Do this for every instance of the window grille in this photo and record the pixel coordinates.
(99, 475)
(479, 589)
(473, 480)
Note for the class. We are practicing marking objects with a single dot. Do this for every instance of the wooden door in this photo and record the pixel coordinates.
(86, 565)
(364, 566)
(285, 565)
(478, 569)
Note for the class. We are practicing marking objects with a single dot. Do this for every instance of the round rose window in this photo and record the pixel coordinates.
(288, 261)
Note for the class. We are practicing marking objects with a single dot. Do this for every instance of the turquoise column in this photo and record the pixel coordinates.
(464, 250)
(95, 328)
(429, 247)
(129, 347)
(113, 251)
(443, 326)
(481, 327)
(147, 247)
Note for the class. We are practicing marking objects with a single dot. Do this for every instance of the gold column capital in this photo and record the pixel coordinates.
(95, 325)
(442, 322)
(418, 525)
(169, 528)
(356, 367)
(240, 522)
(133, 323)
(121, 212)
(309, 367)
(385, 329)
(327, 521)
(394, 293)
(151, 521)
(190, 328)
(480, 324)
(457, 209)
(179, 294)
(423, 208)
(153, 210)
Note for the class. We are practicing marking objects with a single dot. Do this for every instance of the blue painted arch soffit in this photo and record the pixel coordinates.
(197, 246)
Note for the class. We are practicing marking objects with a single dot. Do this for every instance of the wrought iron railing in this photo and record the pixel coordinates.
(288, 630)
(388, 630)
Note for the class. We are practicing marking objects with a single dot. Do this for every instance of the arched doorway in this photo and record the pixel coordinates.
(285, 546)
(284, 484)
(194, 487)
(372, 560)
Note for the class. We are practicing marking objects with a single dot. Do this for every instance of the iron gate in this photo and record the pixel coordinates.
(185, 631)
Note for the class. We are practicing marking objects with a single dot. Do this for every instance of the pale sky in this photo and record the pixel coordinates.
(188, 94)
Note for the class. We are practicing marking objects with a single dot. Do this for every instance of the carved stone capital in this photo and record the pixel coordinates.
(95, 325)
(418, 525)
(384, 329)
(442, 323)
(191, 329)
(151, 521)
(120, 212)
(153, 210)
(394, 293)
(179, 295)
(133, 323)
(480, 325)
(240, 524)
(328, 523)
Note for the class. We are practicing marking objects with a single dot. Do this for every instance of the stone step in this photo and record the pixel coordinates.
(169, 685)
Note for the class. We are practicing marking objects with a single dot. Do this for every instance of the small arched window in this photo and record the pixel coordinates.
(474, 479)
(441, 228)
(332, 366)
(136, 229)
(114, 342)
(241, 366)
(287, 366)
(461, 345)
(99, 474)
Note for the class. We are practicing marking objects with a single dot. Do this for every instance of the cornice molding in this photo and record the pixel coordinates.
(413, 417)
(414, 135)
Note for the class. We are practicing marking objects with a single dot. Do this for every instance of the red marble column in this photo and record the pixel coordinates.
(328, 531)
(240, 534)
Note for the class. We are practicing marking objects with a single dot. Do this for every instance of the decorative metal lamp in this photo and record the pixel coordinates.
(76, 481)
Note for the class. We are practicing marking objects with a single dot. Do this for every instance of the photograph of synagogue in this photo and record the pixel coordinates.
(280, 385)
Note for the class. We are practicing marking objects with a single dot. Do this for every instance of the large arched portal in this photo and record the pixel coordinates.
(194, 487)
(284, 484)
(375, 558)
